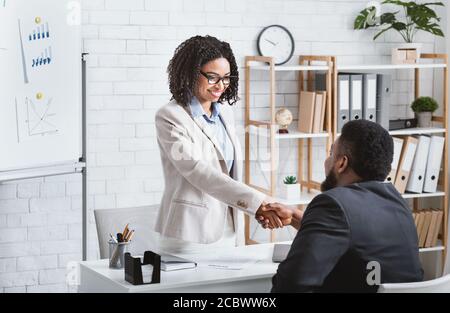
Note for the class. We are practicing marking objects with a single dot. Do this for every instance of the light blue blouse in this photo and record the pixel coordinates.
(217, 128)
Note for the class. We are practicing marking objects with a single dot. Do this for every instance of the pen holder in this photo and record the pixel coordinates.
(117, 254)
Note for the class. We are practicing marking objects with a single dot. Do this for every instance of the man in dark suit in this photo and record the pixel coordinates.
(359, 232)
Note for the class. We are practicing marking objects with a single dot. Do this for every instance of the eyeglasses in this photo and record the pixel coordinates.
(215, 79)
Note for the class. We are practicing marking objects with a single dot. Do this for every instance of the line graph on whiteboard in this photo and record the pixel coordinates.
(35, 118)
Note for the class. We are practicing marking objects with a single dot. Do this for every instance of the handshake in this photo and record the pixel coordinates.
(276, 215)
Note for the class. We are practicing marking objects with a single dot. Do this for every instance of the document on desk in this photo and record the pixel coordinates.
(229, 262)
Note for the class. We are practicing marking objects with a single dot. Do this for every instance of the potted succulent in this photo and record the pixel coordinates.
(424, 107)
(291, 188)
(414, 17)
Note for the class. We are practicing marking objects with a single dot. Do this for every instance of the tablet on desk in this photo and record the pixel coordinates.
(280, 252)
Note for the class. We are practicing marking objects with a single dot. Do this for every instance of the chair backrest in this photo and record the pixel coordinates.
(141, 219)
(438, 285)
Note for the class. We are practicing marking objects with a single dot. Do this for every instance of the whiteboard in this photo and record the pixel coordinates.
(40, 79)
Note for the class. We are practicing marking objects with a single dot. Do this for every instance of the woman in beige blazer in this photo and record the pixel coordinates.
(204, 199)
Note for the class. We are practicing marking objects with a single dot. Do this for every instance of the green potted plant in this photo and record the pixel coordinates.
(424, 107)
(410, 18)
(291, 188)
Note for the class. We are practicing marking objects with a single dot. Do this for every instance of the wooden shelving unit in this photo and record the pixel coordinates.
(308, 64)
(305, 66)
(442, 129)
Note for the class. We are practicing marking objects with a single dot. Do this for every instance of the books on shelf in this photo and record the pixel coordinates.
(416, 163)
(428, 224)
(319, 111)
(306, 111)
(311, 112)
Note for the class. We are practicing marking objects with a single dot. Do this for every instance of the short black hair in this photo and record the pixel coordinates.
(369, 148)
(189, 57)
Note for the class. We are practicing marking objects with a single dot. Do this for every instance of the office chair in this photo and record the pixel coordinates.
(141, 219)
(438, 285)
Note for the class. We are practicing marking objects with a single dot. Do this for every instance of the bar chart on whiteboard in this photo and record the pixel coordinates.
(40, 116)
(35, 47)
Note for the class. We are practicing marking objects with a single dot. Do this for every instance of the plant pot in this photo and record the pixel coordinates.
(407, 53)
(291, 191)
(424, 119)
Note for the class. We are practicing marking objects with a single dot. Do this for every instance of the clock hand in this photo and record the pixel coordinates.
(271, 42)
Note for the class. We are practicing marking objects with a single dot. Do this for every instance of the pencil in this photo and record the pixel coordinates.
(130, 235)
(125, 232)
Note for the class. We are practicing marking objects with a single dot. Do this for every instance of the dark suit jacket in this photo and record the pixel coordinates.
(344, 229)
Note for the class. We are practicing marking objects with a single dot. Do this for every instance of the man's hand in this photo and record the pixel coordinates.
(287, 215)
(269, 217)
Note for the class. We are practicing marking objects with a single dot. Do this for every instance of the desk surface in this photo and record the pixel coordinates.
(255, 262)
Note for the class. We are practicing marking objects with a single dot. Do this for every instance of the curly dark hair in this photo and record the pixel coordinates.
(189, 57)
(369, 148)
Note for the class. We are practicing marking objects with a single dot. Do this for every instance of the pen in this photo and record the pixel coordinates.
(112, 237)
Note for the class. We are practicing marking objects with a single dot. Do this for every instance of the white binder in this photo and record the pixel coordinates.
(383, 99)
(406, 161)
(370, 97)
(417, 176)
(356, 97)
(398, 145)
(343, 101)
(434, 163)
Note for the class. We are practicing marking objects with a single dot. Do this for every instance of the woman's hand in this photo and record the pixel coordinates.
(287, 215)
(269, 217)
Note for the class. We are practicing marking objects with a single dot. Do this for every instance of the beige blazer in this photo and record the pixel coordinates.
(198, 190)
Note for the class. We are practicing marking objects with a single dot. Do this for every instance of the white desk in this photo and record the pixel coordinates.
(255, 276)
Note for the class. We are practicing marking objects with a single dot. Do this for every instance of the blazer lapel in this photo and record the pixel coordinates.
(237, 165)
(200, 121)
(230, 130)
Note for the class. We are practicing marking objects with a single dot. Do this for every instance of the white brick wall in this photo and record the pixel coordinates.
(130, 44)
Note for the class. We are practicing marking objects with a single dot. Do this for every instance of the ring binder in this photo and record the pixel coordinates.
(133, 268)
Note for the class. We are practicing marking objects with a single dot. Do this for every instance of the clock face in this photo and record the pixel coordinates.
(277, 42)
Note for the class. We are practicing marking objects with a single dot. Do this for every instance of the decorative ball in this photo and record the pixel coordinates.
(283, 118)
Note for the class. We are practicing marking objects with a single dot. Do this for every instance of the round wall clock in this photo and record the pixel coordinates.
(276, 41)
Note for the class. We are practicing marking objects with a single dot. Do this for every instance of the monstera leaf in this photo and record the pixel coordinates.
(418, 16)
